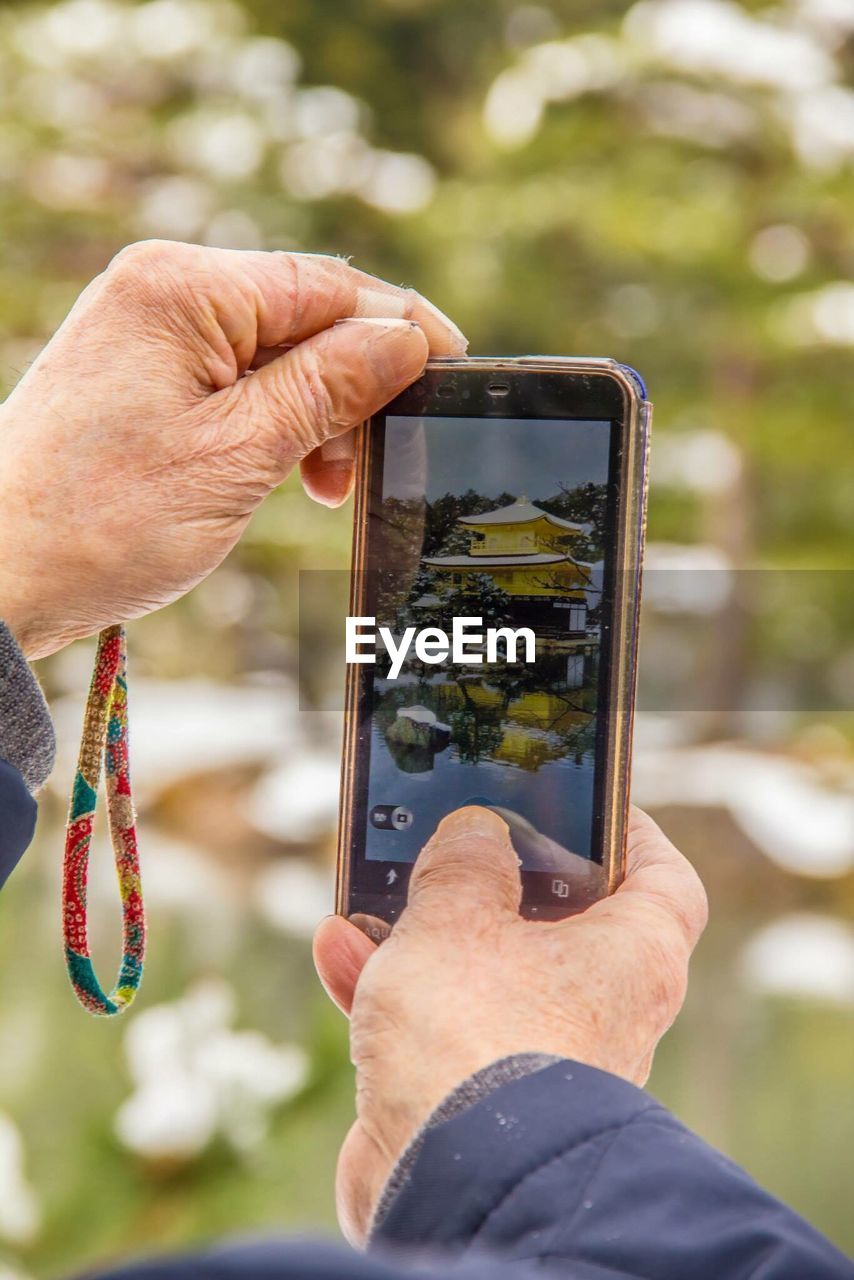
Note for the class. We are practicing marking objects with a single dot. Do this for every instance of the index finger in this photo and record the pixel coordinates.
(659, 875)
(300, 294)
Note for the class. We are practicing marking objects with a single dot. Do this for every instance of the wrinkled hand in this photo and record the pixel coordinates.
(463, 980)
(134, 451)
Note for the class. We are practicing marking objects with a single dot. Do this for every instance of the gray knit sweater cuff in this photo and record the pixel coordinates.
(27, 740)
(472, 1090)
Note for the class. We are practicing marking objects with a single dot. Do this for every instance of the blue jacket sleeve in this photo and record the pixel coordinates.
(578, 1167)
(17, 819)
(27, 750)
(568, 1173)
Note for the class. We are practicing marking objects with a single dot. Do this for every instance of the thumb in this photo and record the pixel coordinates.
(661, 887)
(469, 864)
(326, 385)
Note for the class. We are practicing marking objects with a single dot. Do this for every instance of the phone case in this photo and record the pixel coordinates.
(623, 653)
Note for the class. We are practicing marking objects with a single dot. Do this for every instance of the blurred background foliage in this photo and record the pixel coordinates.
(669, 182)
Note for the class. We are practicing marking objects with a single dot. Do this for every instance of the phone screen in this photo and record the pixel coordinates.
(510, 521)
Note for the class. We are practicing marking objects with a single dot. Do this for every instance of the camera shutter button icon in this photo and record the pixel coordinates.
(391, 817)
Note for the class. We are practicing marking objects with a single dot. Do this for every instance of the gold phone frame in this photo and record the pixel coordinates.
(629, 545)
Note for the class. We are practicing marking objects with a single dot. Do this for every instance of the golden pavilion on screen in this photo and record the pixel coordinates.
(527, 553)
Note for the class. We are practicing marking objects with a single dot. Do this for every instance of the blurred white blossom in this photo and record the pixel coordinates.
(555, 71)
(331, 165)
(712, 119)
(264, 67)
(779, 252)
(787, 55)
(782, 805)
(97, 72)
(197, 1079)
(824, 316)
(227, 145)
(62, 180)
(323, 110)
(633, 310)
(185, 727)
(722, 38)
(294, 895)
(513, 109)
(172, 29)
(702, 460)
(822, 126)
(397, 182)
(687, 578)
(175, 207)
(833, 19)
(20, 1215)
(298, 800)
(803, 955)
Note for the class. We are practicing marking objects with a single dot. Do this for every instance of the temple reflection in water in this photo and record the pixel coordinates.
(495, 716)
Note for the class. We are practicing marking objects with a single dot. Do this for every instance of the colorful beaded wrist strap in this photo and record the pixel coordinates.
(105, 734)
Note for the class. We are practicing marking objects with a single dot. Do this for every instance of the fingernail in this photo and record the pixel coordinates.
(389, 348)
(393, 355)
(337, 485)
(376, 322)
(474, 820)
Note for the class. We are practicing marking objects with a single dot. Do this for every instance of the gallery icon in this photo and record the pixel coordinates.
(391, 817)
(560, 888)
(377, 931)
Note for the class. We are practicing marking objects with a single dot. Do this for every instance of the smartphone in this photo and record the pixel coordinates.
(496, 500)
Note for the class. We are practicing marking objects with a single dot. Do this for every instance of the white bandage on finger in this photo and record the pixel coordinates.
(378, 302)
(339, 448)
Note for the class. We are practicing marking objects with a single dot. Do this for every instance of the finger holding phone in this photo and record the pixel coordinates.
(463, 981)
(135, 449)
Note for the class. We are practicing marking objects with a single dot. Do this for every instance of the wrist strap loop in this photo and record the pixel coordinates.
(105, 737)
